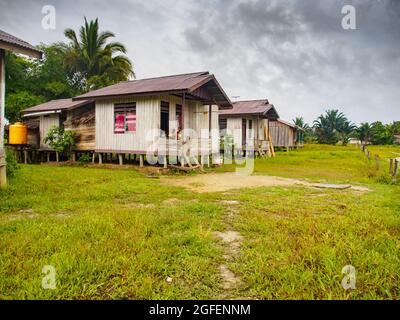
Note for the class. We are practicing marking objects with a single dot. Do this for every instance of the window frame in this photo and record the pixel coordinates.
(125, 108)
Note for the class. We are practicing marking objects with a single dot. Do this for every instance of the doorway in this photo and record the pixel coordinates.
(164, 120)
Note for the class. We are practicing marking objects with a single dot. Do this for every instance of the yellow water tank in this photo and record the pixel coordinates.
(18, 133)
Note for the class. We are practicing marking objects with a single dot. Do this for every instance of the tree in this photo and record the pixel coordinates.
(364, 133)
(299, 121)
(333, 127)
(381, 134)
(31, 83)
(95, 61)
(309, 135)
(345, 129)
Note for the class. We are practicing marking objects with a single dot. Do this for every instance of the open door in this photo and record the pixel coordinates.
(164, 120)
(244, 132)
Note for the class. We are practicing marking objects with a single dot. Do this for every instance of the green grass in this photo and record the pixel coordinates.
(116, 234)
(321, 163)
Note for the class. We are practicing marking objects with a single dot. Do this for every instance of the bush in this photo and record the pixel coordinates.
(84, 158)
(60, 140)
(12, 164)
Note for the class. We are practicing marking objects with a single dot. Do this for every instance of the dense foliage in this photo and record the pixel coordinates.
(333, 127)
(12, 164)
(60, 140)
(66, 70)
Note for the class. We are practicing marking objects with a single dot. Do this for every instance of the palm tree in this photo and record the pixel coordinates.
(94, 60)
(299, 121)
(364, 133)
(333, 127)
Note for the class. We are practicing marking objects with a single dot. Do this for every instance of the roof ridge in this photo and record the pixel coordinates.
(252, 100)
(169, 76)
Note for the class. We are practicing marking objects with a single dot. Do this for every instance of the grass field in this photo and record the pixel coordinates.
(117, 234)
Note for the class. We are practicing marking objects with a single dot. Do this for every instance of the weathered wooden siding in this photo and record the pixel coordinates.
(82, 122)
(46, 122)
(195, 117)
(147, 118)
(234, 127)
(282, 134)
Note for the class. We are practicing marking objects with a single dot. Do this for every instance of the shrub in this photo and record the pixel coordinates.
(60, 140)
(12, 164)
(84, 158)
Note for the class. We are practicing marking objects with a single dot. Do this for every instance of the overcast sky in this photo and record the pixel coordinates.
(295, 53)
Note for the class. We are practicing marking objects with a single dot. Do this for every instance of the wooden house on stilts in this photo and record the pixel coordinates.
(167, 119)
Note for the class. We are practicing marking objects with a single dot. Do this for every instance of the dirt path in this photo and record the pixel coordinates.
(219, 182)
(231, 241)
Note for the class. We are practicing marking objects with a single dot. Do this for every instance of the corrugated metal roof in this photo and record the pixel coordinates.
(53, 105)
(180, 83)
(17, 42)
(250, 107)
(292, 125)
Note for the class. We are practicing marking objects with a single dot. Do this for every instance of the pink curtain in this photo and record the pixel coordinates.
(131, 122)
(119, 126)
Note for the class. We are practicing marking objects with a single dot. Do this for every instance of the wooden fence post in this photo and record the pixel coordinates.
(391, 166)
(377, 162)
(395, 171)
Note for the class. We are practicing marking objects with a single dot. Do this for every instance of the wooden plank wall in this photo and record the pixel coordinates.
(282, 134)
(46, 122)
(195, 116)
(82, 122)
(234, 126)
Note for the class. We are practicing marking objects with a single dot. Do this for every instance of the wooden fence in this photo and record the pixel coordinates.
(393, 162)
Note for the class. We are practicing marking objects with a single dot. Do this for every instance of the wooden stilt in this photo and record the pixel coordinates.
(141, 160)
(57, 156)
(100, 158)
(48, 156)
(73, 157)
(391, 165)
(25, 156)
(165, 162)
(93, 157)
(121, 159)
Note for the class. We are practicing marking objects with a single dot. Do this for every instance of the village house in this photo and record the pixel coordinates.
(248, 124)
(286, 135)
(174, 117)
(78, 116)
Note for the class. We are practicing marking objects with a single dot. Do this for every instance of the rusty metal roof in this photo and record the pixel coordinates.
(251, 107)
(289, 124)
(12, 43)
(55, 105)
(175, 84)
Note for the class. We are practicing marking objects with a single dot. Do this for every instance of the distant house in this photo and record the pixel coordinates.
(248, 122)
(131, 117)
(285, 134)
(397, 139)
(71, 115)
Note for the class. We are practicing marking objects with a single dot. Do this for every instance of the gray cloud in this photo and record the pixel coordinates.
(293, 52)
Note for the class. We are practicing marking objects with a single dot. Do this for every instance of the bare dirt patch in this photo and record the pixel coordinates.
(230, 280)
(220, 182)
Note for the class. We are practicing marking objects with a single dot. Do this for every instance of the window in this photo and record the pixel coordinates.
(125, 118)
(222, 125)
